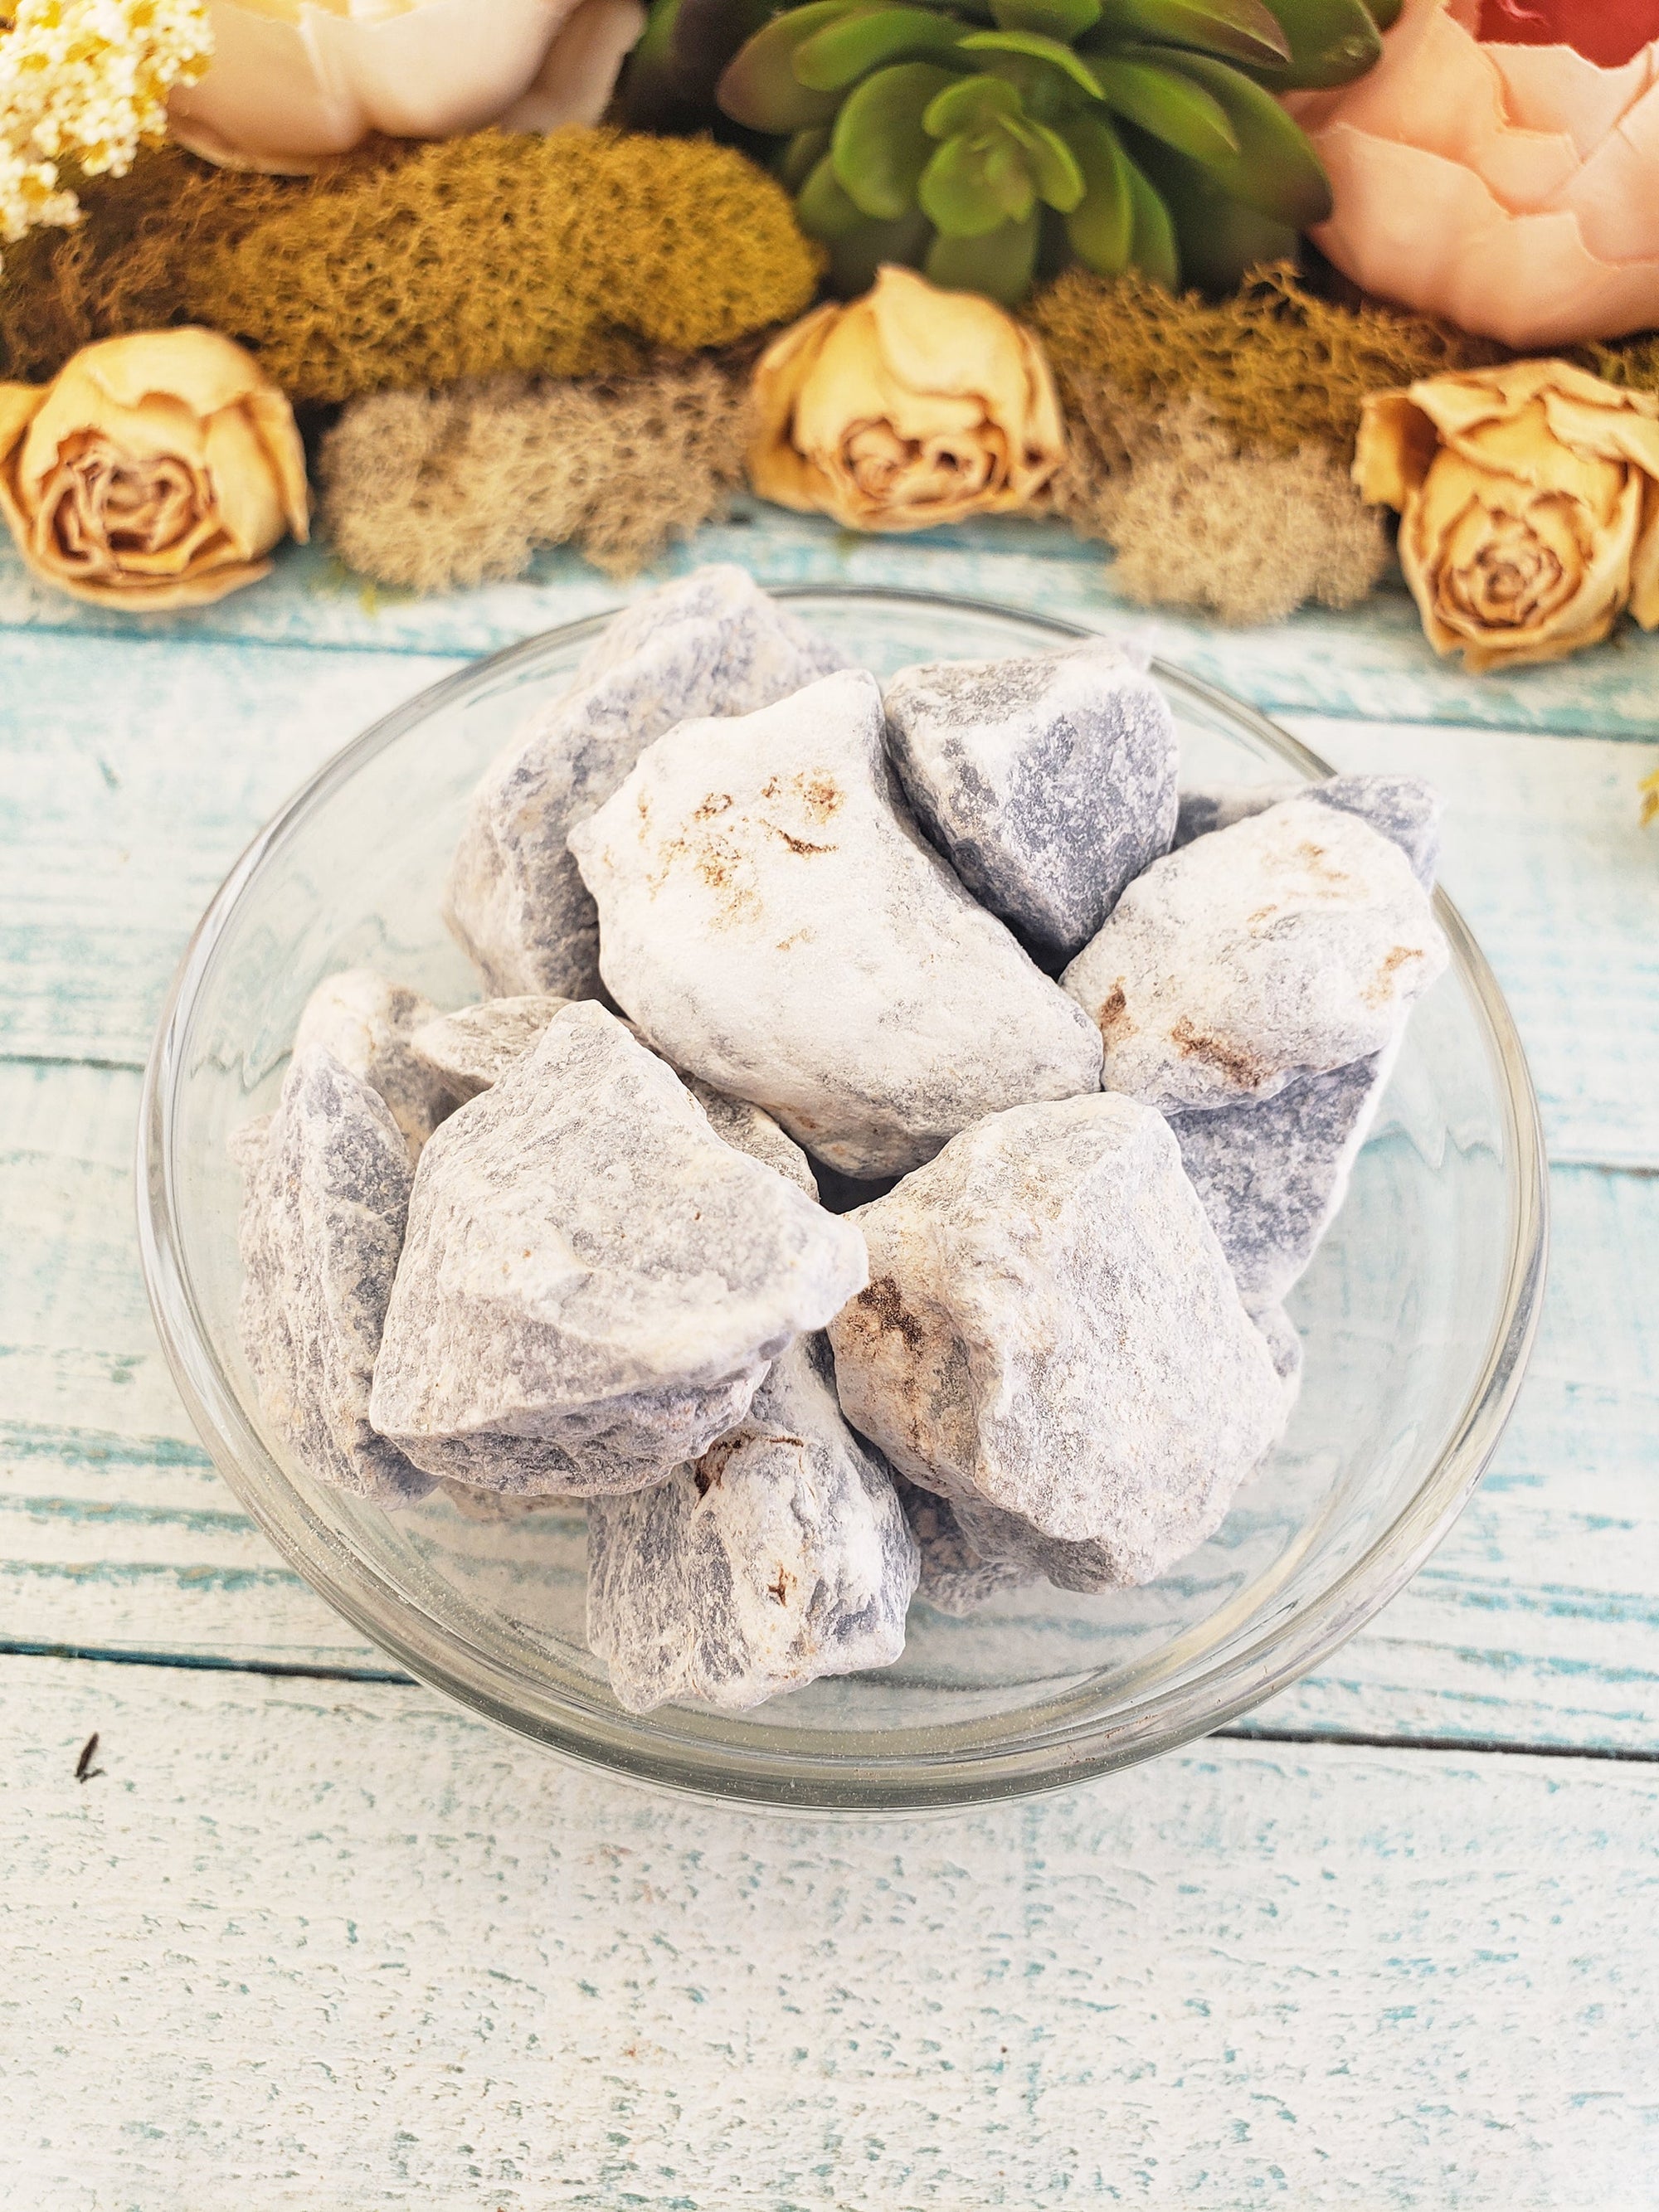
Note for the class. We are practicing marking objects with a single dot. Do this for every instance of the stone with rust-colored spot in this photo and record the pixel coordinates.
(1047, 780)
(1401, 808)
(368, 1025)
(594, 1283)
(712, 643)
(1271, 1173)
(781, 1556)
(775, 923)
(322, 1223)
(1051, 1328)
(1290, 944)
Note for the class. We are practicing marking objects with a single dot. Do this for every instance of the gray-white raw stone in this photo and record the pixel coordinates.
(775, 921)
(1290, 944)
(471, 1047)
(711, 644)
(594, 1283)
(752, 1130)
(322, 1224)
(368, 1025)
(1051, 1327)
(956, 1578)
(1271, 1173)
(1402, 808)
(781, 1556)
(468, 1048)
(1283, 1340)
(1047, 780)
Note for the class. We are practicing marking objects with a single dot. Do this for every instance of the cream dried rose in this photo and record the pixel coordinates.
(155, 472)
(1528, 497)
(910, 407)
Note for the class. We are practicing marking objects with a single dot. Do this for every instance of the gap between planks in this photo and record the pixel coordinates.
(1242, 1731)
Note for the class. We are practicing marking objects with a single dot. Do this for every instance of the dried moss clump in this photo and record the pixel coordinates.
(1197, 522)
(579, 254)
(124, 265)
(582, 253)
(1276, 367)
(433, 489)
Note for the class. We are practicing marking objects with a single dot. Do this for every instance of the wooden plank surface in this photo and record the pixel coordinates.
(311, 1946)
(1368, 663)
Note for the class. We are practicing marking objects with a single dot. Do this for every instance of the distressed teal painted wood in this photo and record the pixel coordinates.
(1370, 662)
(311, 1946)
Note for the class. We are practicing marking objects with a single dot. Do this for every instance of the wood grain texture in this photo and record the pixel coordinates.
(1370, 662)
(317, 1948)
(1536, 1621)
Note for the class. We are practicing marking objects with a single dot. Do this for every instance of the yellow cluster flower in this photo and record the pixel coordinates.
(86, 82)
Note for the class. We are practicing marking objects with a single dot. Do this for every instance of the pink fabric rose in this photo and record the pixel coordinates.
(1510, 187)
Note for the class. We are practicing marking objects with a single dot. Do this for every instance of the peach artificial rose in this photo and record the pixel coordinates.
(1528, 498)
(155, 472)
(1510, 188)
(911, 406)
(294, 83)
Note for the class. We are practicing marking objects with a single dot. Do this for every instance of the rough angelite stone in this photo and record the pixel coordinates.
(1289, 944)
(322, 1223)
(1049, 781)
(956, 1578)
(714, 644)
(774, 922)
(781, 1556)
(471, 1047)
(1402, 808)
(468, 1048)
(369, 1024)
(593, 1282)
(1271, 1173)
(1050, 1328)
(735, 1121)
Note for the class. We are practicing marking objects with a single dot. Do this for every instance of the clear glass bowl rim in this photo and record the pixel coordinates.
(1089, 1742)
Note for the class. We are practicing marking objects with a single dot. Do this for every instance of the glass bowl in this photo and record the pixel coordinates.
(1417, 1315)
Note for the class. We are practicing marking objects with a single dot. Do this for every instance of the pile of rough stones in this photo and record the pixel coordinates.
(1081, 1065)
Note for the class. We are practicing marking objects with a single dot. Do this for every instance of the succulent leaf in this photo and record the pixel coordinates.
(1101, 227)
(971, 103)
(1238, 30)
(758, 86)
(857, 254)
(1331, 41)
(955, 192)
(823, 206)
(1168, 105)
(1154, 247)
(1036, 48)
(1000, 263)
(842, 52)
(1385, 14)
(1052, 164)
(801, 155)
(1053, 19)
(880, 145)
(1275, 170)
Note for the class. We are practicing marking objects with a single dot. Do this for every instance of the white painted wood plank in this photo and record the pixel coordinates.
(1546, 855)
(131, 775)
(304, 1947)
(1370, 662)
(1537, 1621)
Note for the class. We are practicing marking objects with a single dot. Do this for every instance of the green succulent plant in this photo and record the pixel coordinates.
(988, 140)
